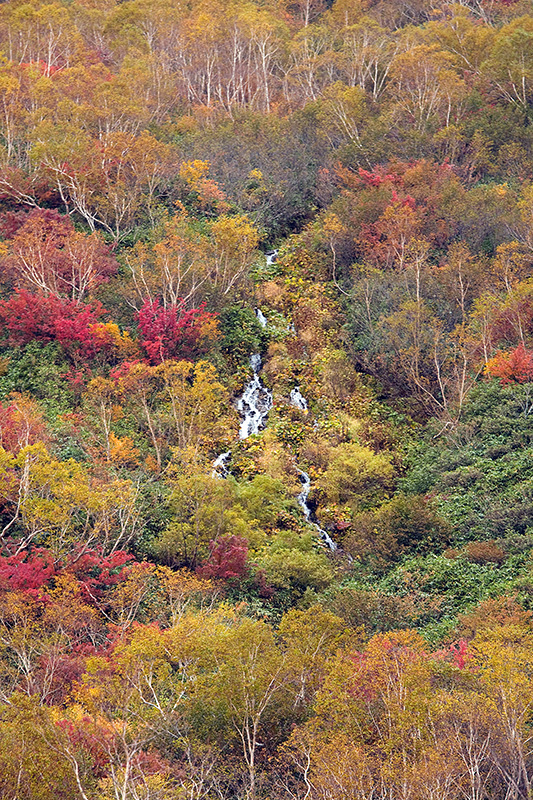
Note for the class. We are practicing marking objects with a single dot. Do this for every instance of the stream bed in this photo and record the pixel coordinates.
(254, 405)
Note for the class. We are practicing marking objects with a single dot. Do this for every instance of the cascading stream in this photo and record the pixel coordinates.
(220, 465)
(298, 400)
(254, 403)
(308, 514)
(262, 320)
(253, 406)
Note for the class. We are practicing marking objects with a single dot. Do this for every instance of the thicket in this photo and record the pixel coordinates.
(167, 632)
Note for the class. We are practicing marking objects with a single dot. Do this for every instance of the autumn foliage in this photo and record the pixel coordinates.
(317, 212)
(45, 253)
(227, 559)
(175, 332)
(514, 366)
(26, 317)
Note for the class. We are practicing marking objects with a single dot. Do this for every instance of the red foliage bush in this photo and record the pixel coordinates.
(30, 571)
(375, 178)
(456, 653)
(93, 739)
(514, 366)
(27, 317)
(26, 571)
(172, 332)
(227, 559)
(97, 573)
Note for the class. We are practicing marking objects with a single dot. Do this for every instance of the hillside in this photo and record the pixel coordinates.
(266, 400)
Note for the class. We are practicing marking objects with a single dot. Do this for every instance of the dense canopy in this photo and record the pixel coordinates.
(266, 400)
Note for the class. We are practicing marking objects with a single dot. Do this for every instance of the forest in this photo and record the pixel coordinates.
(266, 400)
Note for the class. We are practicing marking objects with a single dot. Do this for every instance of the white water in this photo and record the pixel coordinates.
(302, 502)
(254, 403)
(298, 400)
(253, 406)
(271, 257)
(220, 466)
(261, 318)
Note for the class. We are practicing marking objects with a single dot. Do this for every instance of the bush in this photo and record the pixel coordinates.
(402, 525)
(357, 476)
(484, 553)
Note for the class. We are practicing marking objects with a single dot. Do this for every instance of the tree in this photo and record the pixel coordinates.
(464, 278)
(30, 745)
(464, 37)
(304, 11)
(141, 384)
(129, 698)
(292, 564)
(245, 685)
(373, 707)
(58, 503)
(173, 266)
(514, 366)
(45, 35)
(397, 526)
(46, 254)
(509, 66)
(511, 265)
(227, 559)
(108, 181)
(25, 317)
(427, 87)
(174, 332)
(45, 632)
(101, 396)
(235, 241)
(310, 639)
(436, 365)
(142, 692)
(389, 240)
(366, 53)
(311, 51)
(343, 113)
(21, 423)
(197, 403)
(357, 476)
(206, 191)
(502, 657)
(202, 515)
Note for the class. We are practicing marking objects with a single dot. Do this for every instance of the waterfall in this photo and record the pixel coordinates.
(220, 465)
(254, 403)
(261, 318)
(302, 502)
(298, 400)
(256, 400)
(253, 406)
